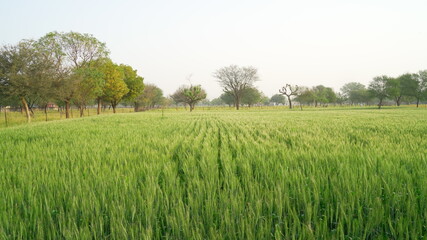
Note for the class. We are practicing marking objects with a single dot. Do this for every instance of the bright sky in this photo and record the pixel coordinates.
(307, 42)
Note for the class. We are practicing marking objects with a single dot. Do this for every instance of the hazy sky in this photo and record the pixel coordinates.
(306, 42)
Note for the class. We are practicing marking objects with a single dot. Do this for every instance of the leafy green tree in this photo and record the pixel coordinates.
(355, 92)
(234, 80)
(189, 95)
(149, 98)
(134, 83)
(217, 102)
(89, 85)
(305, 96)
(251, 96)
(228, 99)
(394, 87)
(421, 88)
(115, 87)
(264, 99)
(25, 74)
(323, 95)
(379, 88)
(278, 99)
(414, 85)
(70, 52)
(331, 96)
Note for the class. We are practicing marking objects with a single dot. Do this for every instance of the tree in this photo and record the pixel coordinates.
(115, 87)
(421, 88)
(264, 99)
(289, 91)
(70, 52)
(25, 74)
(355, 92)
(251, 96)
(394, 87)
(331, 97)
(378, 88)
(134, 83)
(149, 98)
(89, 84)
(305, 96)
(228, 99)
(235, 80)
(189, 95)
(414, 85)
(278, 99)
(217, 102)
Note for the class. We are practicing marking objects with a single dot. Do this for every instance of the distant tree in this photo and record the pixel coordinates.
(251, 96)
(289, 91)
(264, 99)
(115, 87)
(178, 96)
(323, 95)
(235, 80)
(394, 87)
(204, 102)
(190, 95)
(150, 97)
(134, 83)
(228, 99)
(217, 102)
(331, 97)
(25, 74)
(414, 86)
(355, 92)
(378, 88)
(421, 89)
(340, 99)
(278, 99)
(305, 96)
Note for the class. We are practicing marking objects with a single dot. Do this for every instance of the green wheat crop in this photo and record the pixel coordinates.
(253, 174)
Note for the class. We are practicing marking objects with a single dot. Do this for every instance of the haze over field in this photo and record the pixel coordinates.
(305, 42)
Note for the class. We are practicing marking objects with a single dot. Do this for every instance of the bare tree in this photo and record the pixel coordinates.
(234, 80)
(289, 91)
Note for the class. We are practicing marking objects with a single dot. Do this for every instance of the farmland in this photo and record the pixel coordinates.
(252, 174)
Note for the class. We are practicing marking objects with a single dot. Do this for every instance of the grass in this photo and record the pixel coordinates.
(15, 117)
(217, 174)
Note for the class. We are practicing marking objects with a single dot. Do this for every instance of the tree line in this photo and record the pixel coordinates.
(64, 68)
(238, 86)
(75, 69)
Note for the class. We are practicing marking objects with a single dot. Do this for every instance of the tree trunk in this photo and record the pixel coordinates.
(380, 103)
(136, 107)
(113, 105)
(418, 101)
(27, 111)
(5, 116)
(81, 108)
(191, 107)
(290, 102)
(45, 111)
(237, 103)
(67, 109)
(98, 111)
(398, 100)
